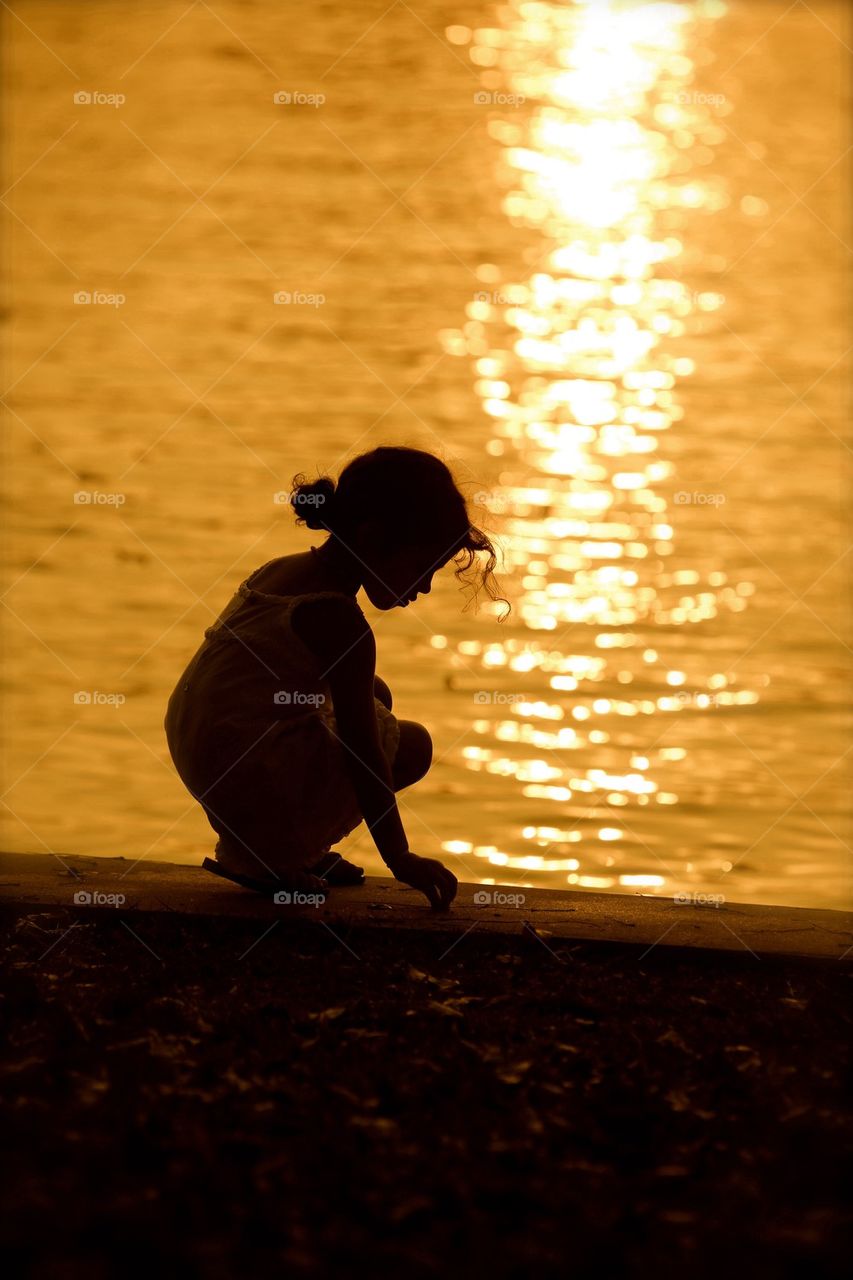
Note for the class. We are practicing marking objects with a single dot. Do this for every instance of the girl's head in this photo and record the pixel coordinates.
(399, 514)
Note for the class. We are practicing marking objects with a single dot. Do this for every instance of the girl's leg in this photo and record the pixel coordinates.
(414, 755)
(411, 763)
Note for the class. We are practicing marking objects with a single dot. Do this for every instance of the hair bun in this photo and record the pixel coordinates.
(312, 501)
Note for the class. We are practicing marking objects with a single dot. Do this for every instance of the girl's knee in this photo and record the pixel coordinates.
(414, 754)
(422, 745)
(382, 692)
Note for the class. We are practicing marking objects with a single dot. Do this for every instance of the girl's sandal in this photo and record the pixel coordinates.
(267, 888)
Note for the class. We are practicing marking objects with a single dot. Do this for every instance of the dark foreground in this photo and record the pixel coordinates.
(228, 1104)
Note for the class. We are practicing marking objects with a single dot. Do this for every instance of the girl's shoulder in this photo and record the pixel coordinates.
(294, 577)
(316, 610)
(284, 576)
(331, 624)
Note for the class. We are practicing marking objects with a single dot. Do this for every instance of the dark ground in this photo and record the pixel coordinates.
(362, 1103)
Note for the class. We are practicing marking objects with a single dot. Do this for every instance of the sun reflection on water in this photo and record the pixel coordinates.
(602, 151)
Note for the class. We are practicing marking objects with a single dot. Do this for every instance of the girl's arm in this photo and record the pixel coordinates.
(339, 635)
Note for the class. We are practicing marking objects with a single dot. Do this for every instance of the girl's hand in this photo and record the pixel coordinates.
(427, 874)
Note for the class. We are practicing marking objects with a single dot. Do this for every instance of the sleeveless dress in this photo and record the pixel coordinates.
(251, 731)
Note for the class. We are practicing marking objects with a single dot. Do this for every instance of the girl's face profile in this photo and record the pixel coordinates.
(397, 576)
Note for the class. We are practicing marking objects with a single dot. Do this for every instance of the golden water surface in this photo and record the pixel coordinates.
(592, 254)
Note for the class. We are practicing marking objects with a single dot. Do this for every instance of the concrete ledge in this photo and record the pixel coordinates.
(30, 882)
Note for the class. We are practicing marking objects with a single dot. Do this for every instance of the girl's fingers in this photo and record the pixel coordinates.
(433, 890)
(446, 887)
(437, 884)
(434, 896)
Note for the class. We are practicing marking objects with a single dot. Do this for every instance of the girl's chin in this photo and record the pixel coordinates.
(385, 602)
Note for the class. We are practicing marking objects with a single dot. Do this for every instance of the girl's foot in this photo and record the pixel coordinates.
(232, 863)
(300, 881)
(335, 870)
